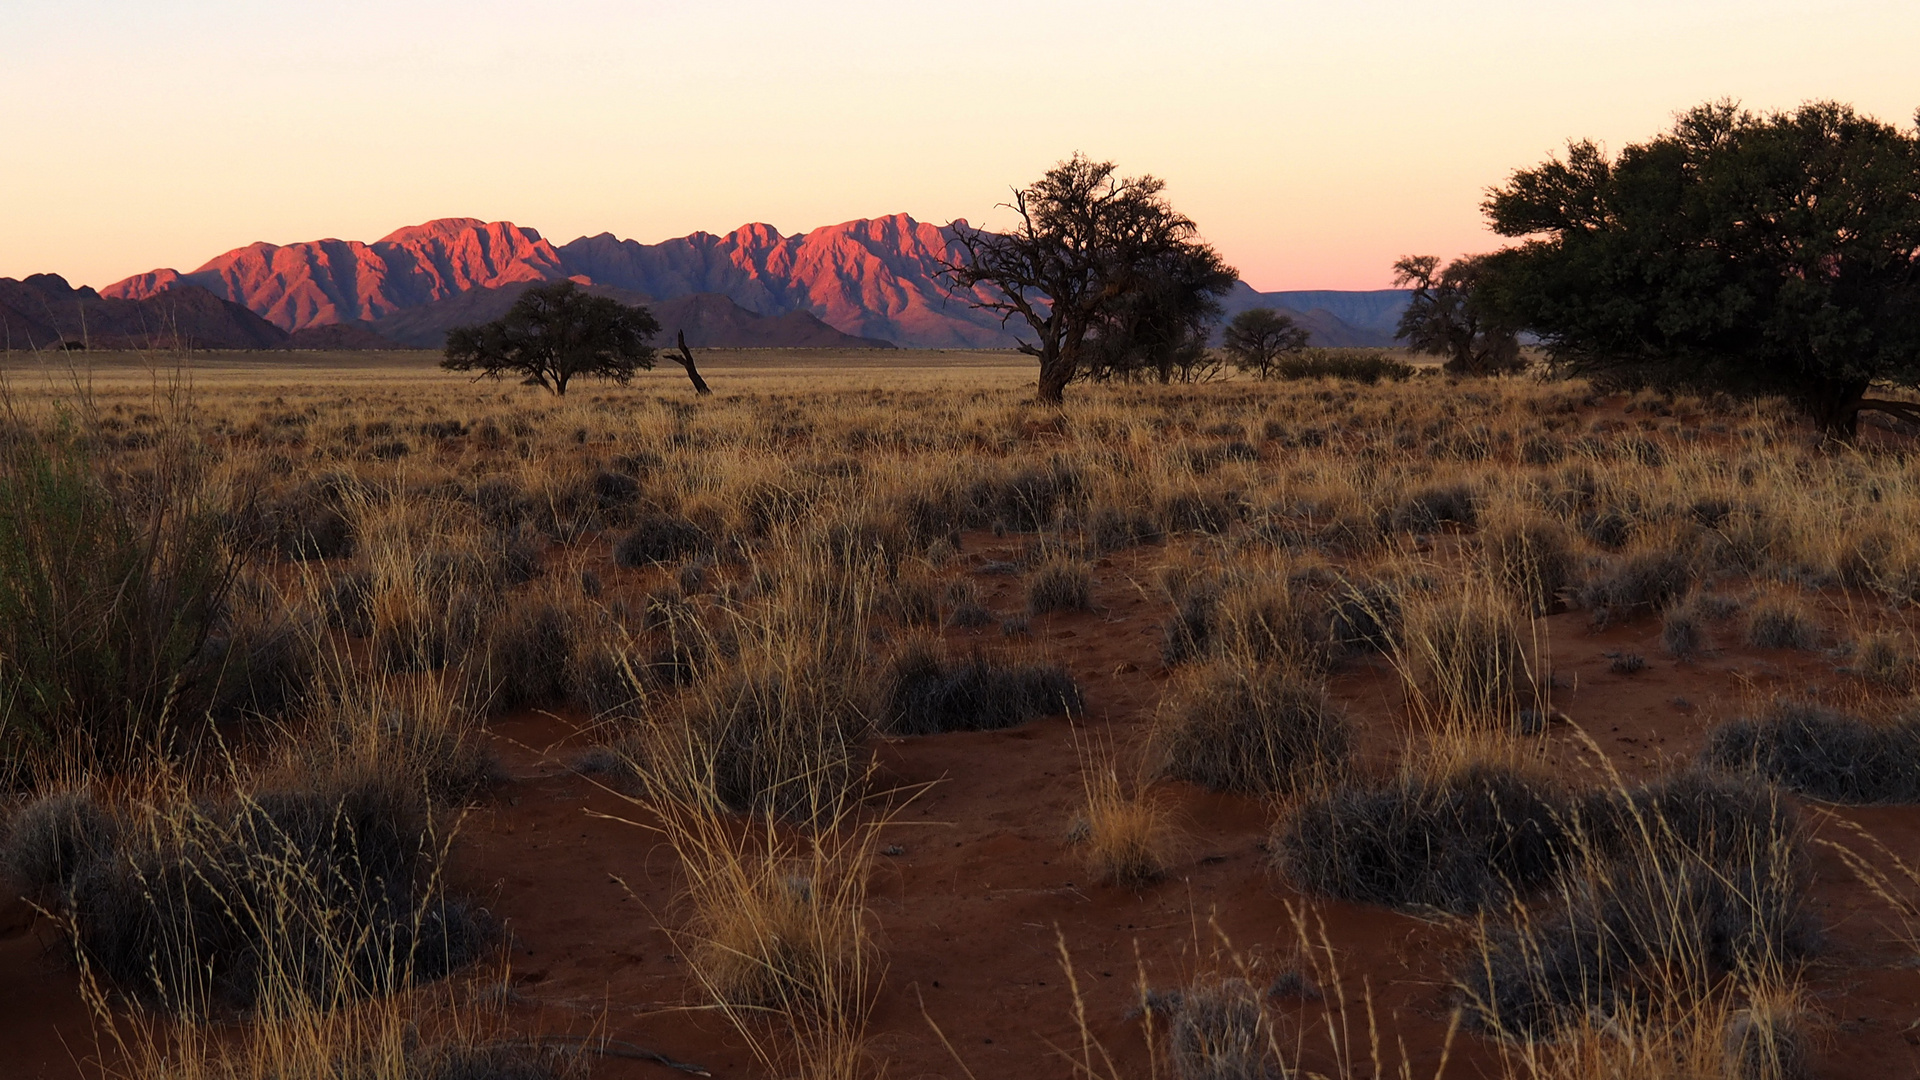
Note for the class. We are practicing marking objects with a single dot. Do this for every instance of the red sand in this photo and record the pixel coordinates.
(972, 913)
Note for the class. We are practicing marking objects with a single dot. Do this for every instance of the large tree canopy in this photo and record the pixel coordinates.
(1094, 256)
(1762, 253)
(1448, 315)
(1159, 327)
(553, 334)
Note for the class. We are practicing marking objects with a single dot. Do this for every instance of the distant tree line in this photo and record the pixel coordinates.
(1774, 253)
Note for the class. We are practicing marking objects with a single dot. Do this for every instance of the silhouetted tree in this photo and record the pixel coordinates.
(1160, 327)
(1775, 253)
(1448, 315)
(1091, 253)
(553, 334)
(1256, 337)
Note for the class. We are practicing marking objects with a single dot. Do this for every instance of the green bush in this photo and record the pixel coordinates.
(1359, 365)
(108, 596)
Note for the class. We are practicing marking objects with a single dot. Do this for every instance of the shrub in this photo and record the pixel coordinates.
(487, 1062)
(1715, 816)
(1467, 662)
(1197, 511)
(349, 602)
(1781, 622)
(778, 730)
(1681, 634)
(659, 538)
(501, 503)
(1534, 561)
(1886, 659)
(968, 612)
(1641, 583)
(107, 600)
(613, 492)
(263, 654)
(1684, 882)
(1430, 508)
(1463, 841)
(1115, 529)
(1252, 731)
(322, 894)
(1254, 619)
(1357, 365)
(924, 693)
(914, 602)
(423, 619)
(312, 520)
(1364, 616)
(530, 647)
(1218, 1030)
(1059, 585)
(414, 730)
(1823, 754)
(50, 839)
(1609, 528)
(1028, 500)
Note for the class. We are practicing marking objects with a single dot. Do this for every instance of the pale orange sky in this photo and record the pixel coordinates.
(1313, 143)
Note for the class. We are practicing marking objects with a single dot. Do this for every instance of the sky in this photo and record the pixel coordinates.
(1313, 143)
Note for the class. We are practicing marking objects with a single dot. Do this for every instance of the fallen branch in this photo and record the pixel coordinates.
(1905, 410)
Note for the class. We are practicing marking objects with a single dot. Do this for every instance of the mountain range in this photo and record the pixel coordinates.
(867, 283)
(44, 312)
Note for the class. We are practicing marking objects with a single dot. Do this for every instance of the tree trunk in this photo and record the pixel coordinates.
(1055, 372)
(1835, 406)
(686, 361)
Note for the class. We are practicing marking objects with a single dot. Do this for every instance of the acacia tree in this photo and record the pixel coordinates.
(1160, 326)
(1773, 253)
(1088, 245)
(1449, 315)
(1257, 337)
(553, 334)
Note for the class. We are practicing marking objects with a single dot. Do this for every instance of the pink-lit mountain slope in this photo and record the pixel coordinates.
(708, 319)
(867, 279)
(876, 277)
(320, 282)
(873, 278)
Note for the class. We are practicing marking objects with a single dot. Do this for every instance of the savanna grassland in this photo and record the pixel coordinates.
(865, 719)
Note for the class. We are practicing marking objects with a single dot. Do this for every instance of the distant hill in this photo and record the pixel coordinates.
(710, 321)
(43, 311)
(353, 336)
(875, 280)
(1336, 318)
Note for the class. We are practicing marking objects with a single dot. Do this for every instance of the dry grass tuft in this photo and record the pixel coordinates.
(1123, 829)
(923, 692)
(1059, 585)
(1822, 753)
(1460, 841)
(1218, 1030)
(1250, 728)
(1782, 621)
